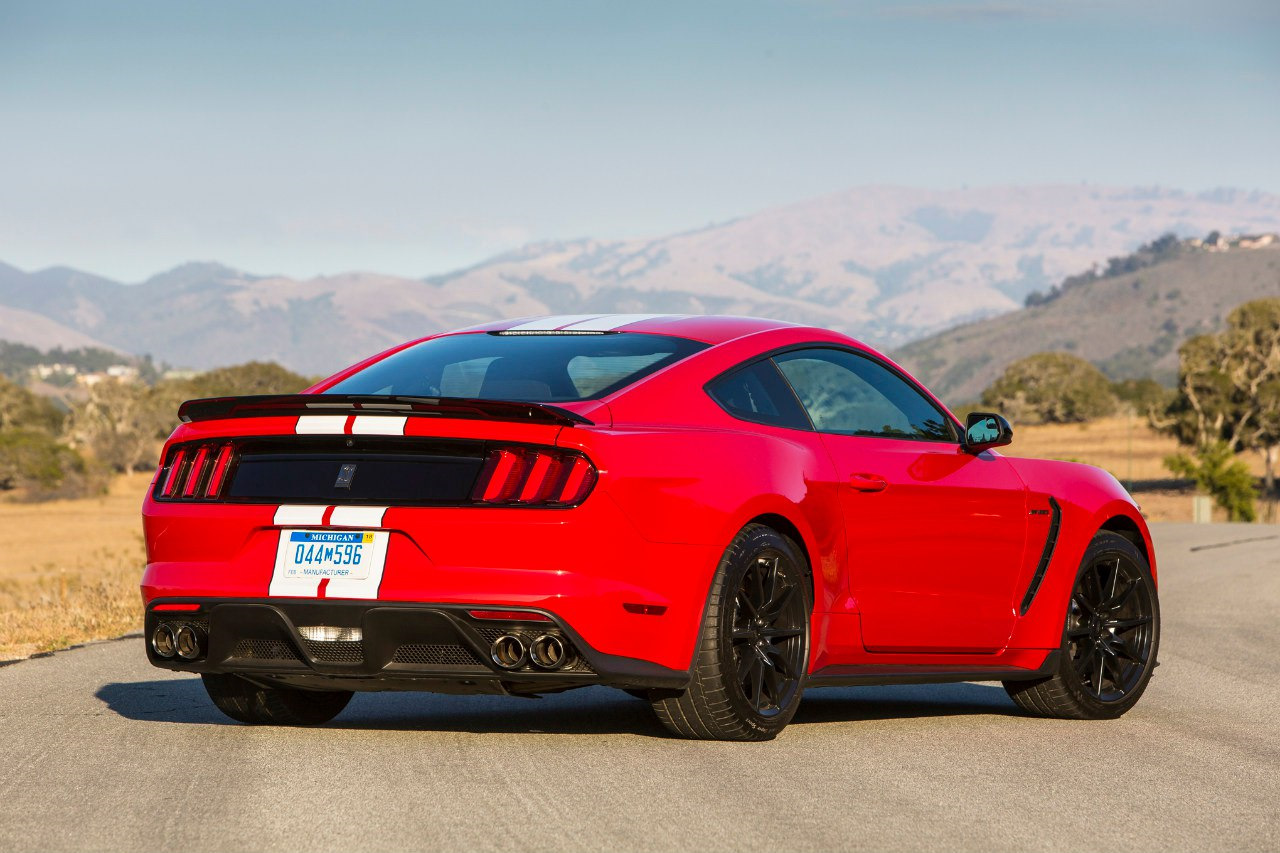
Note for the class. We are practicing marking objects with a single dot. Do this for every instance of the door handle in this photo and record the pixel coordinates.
(868, 483)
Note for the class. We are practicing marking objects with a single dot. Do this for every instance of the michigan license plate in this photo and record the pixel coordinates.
(354, 554)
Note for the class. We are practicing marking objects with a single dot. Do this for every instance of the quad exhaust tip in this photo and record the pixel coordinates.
(509, 652)
(189, 641)
(548, 652)
(163, 642)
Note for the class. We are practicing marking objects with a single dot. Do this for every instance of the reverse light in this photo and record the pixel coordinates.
(330, 634)
(527, 476)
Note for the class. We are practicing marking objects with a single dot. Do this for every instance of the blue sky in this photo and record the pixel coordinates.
(412, 138)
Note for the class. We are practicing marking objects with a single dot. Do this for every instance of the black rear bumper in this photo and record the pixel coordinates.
(390, 646)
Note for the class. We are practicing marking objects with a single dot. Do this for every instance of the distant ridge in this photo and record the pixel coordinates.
(1130, 325)
(886, 264)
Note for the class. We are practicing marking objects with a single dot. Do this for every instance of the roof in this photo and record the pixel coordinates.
(708, 328)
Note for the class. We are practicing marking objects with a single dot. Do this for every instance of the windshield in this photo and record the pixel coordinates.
(540, 368)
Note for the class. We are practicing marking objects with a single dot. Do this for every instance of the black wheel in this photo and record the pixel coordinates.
(282, 706)
(753, 649)
(1110, 640)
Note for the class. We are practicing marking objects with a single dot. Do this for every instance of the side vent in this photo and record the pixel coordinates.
(1050, 542)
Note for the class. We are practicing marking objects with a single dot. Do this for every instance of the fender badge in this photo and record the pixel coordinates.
(345, 475)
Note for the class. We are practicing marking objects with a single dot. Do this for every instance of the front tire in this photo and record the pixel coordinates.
(753, 648)
(1109, 642)
(246, 702)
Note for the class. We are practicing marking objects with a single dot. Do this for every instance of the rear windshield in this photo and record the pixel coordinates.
(528, 368)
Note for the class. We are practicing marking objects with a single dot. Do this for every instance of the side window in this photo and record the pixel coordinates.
(758, 393)
(854, 395)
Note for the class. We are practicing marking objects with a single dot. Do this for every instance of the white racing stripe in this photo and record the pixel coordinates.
(321, 425)
(614, 321)
(357, 516)
(548, 324)
(298, 515)
(378, 425)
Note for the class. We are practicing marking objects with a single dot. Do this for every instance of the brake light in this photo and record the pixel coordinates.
(191, 465)
(174, 474)
(219, 472)
(526, 476)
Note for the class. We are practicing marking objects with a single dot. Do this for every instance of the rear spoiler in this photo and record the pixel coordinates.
(278, 405)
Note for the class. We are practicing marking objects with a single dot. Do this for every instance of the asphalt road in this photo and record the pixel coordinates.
(99, 751)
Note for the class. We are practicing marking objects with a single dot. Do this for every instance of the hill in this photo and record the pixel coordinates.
(1130, 324)
(887, 264)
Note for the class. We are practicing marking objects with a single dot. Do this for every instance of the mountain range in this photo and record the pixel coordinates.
(1129, 324)
(887, 264)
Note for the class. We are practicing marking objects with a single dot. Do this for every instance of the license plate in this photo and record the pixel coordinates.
(353, 554)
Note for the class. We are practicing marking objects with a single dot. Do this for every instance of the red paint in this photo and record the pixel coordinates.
(926, 569)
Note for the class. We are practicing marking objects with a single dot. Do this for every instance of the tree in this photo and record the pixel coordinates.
(1216, 470)
(20, 409)
(1229, 386)
(1051, 387)
(123, 424)
(33, 461)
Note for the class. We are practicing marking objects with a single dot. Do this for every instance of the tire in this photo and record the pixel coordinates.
(753, 646)
(246, 702)
(1109, 641)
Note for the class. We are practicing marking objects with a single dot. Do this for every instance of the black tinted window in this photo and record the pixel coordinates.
(529, 368)
(854, 395)
(758, 393)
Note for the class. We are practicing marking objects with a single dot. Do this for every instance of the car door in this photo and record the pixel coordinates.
(935, 534)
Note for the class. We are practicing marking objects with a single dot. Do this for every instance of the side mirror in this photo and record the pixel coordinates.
(985, 430)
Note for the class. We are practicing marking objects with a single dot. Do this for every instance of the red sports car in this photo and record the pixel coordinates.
(713, 513)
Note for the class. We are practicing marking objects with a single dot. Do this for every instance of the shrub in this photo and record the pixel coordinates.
(1051, 387)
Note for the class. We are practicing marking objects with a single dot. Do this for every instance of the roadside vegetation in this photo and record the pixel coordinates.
(1226, 405)
(71, 486)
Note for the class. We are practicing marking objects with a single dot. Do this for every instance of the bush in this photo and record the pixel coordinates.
(35, 464)
(20, 409)
(1051, 387)
(1216, 470)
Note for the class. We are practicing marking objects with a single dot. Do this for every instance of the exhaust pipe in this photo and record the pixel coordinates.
(189, 642)
(549, 652)
(163, 642)
(509, 652)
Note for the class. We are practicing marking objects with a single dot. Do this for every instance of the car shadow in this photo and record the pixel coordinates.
(903, 702)
(589, 711)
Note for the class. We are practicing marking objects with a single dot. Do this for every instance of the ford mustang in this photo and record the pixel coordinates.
(713, 514)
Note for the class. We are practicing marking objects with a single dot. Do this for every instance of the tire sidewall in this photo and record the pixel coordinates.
(751, 544)
(1102, 545)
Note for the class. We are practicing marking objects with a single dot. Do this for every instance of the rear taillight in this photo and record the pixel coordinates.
(195, 472)
(534, 476)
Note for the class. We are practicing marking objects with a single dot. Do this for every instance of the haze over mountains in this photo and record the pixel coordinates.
(886, 264)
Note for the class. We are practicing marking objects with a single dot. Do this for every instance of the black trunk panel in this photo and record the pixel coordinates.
(385, 471)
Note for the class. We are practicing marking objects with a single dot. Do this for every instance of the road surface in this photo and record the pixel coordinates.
(100, 751)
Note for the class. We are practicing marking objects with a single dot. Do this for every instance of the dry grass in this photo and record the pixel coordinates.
(69, 569)
(1127, 447)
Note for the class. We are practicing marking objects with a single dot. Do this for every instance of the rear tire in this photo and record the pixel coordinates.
(1109, 642)
(246, 702)
(753, 648)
